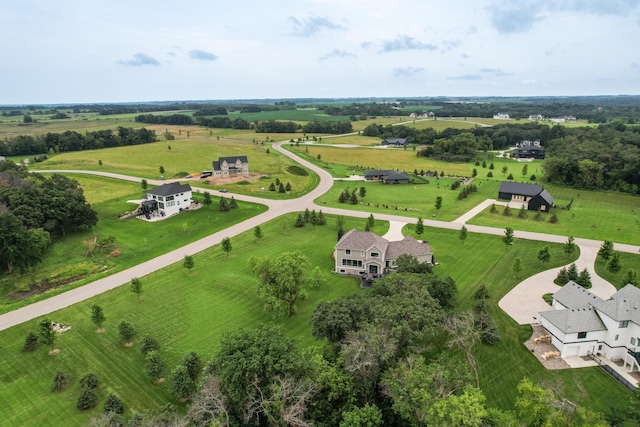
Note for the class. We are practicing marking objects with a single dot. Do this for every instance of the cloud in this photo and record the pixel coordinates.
(495, 71)
(336, 53)
(514, 19)
(139, 60)
(404, 42)
(466, 77)
(599, 7)
(407, 71)
(448, 45)
(312, 25)
(202, 55)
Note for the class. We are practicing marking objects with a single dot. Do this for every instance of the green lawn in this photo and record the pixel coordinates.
(137, 240)
(184, 312)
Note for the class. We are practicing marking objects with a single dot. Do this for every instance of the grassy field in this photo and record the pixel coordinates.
(593, 215)
(202, 307)
(627, 261)
(137, 240)
(212, 300)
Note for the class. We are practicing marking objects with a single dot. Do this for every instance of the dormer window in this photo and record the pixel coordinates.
(623, 324)
(374, 254)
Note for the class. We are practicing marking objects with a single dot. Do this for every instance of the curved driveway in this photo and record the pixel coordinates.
(276, 208)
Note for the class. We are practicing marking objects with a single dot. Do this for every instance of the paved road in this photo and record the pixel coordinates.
(276, 208)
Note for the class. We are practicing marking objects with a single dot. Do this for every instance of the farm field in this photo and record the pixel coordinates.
(212, 300)
(136, 240)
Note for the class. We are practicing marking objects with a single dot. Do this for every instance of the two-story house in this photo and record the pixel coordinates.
(167, 199)
(365, 254)
(582, 323)
(226, 167)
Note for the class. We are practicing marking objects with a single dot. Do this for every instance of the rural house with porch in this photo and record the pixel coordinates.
(386, 176)
(226, 167)
(166, 200)
(534, 197)
(366, 255)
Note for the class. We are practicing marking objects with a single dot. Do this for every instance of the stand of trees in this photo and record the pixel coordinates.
(32, 208)
(332, 127)
(74, 141)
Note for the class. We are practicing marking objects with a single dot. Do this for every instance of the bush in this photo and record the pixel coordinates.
(87, 400)
(60, 381)
(30, 342)
(89, 382)
(113, 404)
(490, 335)
(553, 219)
(297, 170)
(149, 344)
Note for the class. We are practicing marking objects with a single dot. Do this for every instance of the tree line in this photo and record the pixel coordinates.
(32, 209)
(74, 141)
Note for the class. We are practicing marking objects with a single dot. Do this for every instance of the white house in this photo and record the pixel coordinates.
(365, 254)
(167, 199)
(582, 323)
(231, 166)
(501, 116)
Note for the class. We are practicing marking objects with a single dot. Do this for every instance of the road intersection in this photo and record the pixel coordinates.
(521, 303)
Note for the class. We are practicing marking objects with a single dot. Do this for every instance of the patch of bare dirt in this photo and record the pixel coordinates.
(129, 344)
(541, 350)
(54, 352)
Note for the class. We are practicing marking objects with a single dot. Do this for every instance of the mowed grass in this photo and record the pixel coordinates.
(412, 200)
(483, 259)
(593, 215)
(184, 312)
(136, 240)
(382, 158)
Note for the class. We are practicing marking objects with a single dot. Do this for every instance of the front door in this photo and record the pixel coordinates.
(373, 269)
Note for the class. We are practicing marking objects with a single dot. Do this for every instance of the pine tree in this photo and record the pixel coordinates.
(584, 279)
(299, 221)
(321, 219)
(233, 204)
(572, 272)
(563, 277)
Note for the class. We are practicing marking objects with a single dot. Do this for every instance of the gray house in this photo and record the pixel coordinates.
(535, 197)
(365, 254)
(386, 176)
(395, 141)
(231, 166)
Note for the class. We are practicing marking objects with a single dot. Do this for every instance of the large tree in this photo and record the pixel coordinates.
(46, 333)
(20, 247)
(97, 316)
(282, 280)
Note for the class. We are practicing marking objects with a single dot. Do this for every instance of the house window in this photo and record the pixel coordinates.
(633, 341)
(169, 198)
(169, 204)
(582, 335)
(161, 205)
(347, 251)
(616, 337)
(352, 262)
(374, 254)
(623, 324)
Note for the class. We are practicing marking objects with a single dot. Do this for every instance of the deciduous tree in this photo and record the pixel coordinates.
(97, 316)
(154, 365)
(257, 233)
(126, 332)
(462, 235)
(516, 267)
(136, 286)
(188, 262)
(508, 237)
(47, 335)
(181, 384)
(226, 245)
(193, 365)
(419, 227)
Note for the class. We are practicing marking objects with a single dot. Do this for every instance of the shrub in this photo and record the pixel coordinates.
(113, 404)
(89, 382)
(149, 344)
(297, 170)
(60, 381)
(553, 219)
(30, 342)
(87, 400)
(482, 292)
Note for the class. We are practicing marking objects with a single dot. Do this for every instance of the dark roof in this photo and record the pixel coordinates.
(378, 172)
(169, 189)
(520, 188)
(546, 197)
(402, 141)
(243, 159)
(395, 176)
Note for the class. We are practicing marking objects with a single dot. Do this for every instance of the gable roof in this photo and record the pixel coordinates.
(520, 188)
(574, 320)
(378, 172)
(548, 198)
(243, 159)
(573, 295)
(394, 141)
(393, 175)
(408, 246)
(623, 305)
(361, 241)
(169, 189)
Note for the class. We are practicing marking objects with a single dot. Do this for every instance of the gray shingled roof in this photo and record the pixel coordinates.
(574, 320)
(216, 163)
(623, 305)
(378, 172)
(520, 188)
(573, 295)
(395, 141)
(361, 241)
(408, 246)
(547, 197)
(393, 175)
(169, 189)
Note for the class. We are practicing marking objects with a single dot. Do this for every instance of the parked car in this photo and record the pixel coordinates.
(223, 190)
(206, 174)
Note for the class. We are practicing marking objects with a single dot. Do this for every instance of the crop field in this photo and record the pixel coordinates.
(137, 240)
(365, 141)
(299, 115)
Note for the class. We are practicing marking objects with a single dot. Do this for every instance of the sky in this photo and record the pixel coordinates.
(95, 51)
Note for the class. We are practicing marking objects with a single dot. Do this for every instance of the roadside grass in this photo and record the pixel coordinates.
(412, 200)
(627, 261)
(365, 141)
(183, 311)
(383, 158)
(593, 215)
(484, 259)
(136, 240)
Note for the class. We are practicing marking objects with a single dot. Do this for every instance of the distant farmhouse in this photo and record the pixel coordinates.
(582, 323)
(535, 197)
(501, 116)
(562, 119)
(166, 200)
(395, 141)
(528, 150)
(227, 167)
(369, 256)
(386, 176)
(535, 117)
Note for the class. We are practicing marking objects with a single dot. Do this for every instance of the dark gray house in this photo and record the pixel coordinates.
(535, 197)
(395, 141)
(386, 176)
(528, 152)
